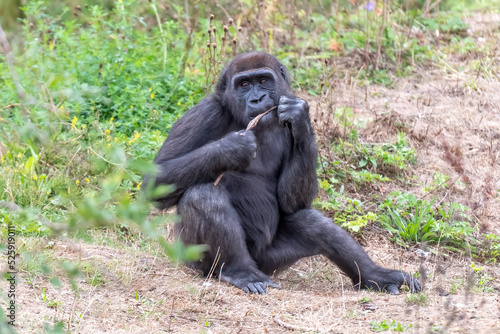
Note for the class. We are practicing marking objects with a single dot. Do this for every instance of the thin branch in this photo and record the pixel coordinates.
(163, 39)
(293, 327)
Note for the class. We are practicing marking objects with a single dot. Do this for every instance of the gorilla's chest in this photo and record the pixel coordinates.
(272, 147)
(254, 191)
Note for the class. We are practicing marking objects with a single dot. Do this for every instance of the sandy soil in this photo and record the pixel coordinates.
(142, 293)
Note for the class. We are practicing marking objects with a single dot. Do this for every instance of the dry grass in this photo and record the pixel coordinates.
(142, 291)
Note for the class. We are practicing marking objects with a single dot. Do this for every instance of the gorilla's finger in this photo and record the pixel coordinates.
(282, 109)
(284, 119)
(415, 285)
(273, 285)
(283, 122)
(261, 287)
(392, 289)
(412, 283)
(284, 99)
(246, 289)
(252, 288)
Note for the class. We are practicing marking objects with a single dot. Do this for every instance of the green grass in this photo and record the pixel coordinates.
(413, 220)
(387, 325)
(420, 299)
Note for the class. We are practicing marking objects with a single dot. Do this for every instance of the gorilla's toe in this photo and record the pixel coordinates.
(392, 289)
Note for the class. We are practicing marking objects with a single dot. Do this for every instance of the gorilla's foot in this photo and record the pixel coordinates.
(249, 280)
(388, 280)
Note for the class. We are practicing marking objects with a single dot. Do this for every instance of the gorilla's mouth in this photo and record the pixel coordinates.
(256, 112)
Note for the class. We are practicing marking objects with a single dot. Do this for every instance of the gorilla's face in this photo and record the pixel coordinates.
(254, 92)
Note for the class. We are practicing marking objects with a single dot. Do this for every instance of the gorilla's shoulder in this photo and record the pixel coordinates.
(207, 113)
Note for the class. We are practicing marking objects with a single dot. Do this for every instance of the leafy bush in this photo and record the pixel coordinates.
(114, 66)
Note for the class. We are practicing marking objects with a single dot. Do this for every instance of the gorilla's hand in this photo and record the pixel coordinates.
(250, 281)
(389, 281)
(238, 149)
(296, 113)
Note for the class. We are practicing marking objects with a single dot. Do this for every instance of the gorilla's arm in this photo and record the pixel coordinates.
(297, 186)
(197, 149)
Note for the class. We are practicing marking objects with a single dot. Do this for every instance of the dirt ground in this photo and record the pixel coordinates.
(142, 293)
(452, 117)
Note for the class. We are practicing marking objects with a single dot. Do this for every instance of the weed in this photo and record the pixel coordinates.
(218, 49)
(58, 328)
(359, 222)
(415, 220)
(377, 159)
(482, 279)
(94, 276)
(387, 325)
(416, 227)
(420, 299)
(455, 286)
(364, 300)
(50, 302)
(491, 248)
(439, 181)
(359, 164)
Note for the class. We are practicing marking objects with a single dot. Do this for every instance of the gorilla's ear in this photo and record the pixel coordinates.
(221, 85)
(284, 74)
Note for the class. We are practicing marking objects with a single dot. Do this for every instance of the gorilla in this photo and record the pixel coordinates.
(258, 218)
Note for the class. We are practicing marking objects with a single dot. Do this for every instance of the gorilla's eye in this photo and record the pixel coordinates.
(263, 81)
(244, 84)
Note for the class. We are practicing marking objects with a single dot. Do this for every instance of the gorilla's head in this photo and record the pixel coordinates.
(251, 84)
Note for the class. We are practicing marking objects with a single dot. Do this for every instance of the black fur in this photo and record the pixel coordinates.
(258, 219)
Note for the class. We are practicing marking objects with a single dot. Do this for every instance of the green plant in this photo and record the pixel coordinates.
(359, 222)
(482, 279)
(491, 247)
(457, 285)
(386, 325)
(450, 24)
(417, 299)
(376, 159)
(58, 328)
(364, 300)
(87, 102)
(106, 70)
(349, 213)
(94, 276)
(415, 227)
(414, 220)
(439, 181)
(50, 302)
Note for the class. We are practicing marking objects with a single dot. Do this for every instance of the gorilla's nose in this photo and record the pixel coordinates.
(257, 100)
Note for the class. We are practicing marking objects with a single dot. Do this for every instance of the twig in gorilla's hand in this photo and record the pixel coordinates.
(252, 124)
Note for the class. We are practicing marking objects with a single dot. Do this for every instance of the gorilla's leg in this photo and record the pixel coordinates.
(308, 232)
(207, 217)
